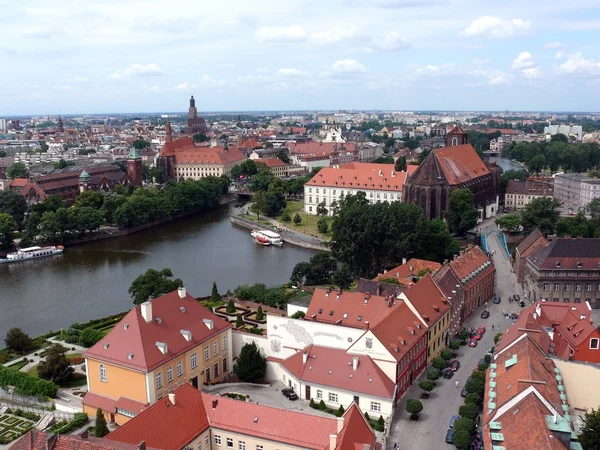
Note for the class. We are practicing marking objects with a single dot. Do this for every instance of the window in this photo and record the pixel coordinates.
(319, 394)
(578, 287)
(206, 352)
(194, 360)
(207, 440)
(224, 343)
(567, 287)
(333, 397)
(229, 443)
(546, 287)
(207, 374)
(102, 373)
(215, 347)
(594, 344)
(225, 365)
(241, 445)
(376, 406)
(159, 380)
(200, 446)
(555, 299)
(259, 447)
(556, 286)
(217, 439)
(169, 374)
(216, 369)
(179, 368)
(124, 412)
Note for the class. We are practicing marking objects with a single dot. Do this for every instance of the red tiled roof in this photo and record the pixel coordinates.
(501, 130)
(38, 440)
(389, 180)
(356, 431)
(109, 404)
(19, 182)
(411, 268)
(460, 163)
(332, 367)
(270, 162)
(278, 425)
(133, 335)
(169, 148)
(209, 155)
(250, 143)
(465, 264)
(427, 299)
(166, 425)
(526, 247)
(395, 327)
(353, 309)
(568, 253)
(323, 148)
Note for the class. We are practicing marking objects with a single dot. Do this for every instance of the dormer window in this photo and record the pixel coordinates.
(579, 265)
(558, 264)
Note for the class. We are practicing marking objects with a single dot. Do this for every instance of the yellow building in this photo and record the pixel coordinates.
(157, 347)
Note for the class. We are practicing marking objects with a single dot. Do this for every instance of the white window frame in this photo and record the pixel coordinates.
(578, 287)
(179, 368)
(588, 288)
(597, 343)
(199, 446)
(229, 442)
(333, 397)
(169, 374)
(206, 352)
(556, 287)
(241, 445)
(159, 383)
(194, 360)
(319, 394)
(207, 440)
(224, 343)
(546, 287)
(259, 447)
(103, 373)
(217, 439)
(215, 348)
(376, 406)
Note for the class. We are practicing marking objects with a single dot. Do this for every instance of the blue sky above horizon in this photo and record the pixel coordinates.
(131, 56)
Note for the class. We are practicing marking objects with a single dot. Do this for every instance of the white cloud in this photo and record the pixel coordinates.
(290, 33)
(348, 66)
(183, 86)
(389, 42)
(523, 61)
(496, 28)
(560, 55)
(287, 72)
(138, 70)
(334, 36)
(498, 79)
(555, 45)
(149, 88)
(532, 72)
(576, 64)
(262, 70)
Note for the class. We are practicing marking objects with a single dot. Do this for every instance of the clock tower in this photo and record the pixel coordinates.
(134, 166)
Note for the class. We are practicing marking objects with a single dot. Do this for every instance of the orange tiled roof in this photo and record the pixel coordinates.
(19, 182)
(270, 162)
(38, 440)
(209, 155)
(386, 180)
(133, 341)
(324, 148)
(460, 163)
(427, 299)
(171, 147)
(356, 432)
(468, 262)
(411, 268)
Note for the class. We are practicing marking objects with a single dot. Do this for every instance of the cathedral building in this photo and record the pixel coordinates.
(456, 166)
(195, 124)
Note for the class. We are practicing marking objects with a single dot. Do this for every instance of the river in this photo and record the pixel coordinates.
(505, 163)
(92, 280)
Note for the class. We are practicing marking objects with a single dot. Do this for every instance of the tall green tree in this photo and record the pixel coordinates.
(343, 277)
(152, 284)
(94, 199)
(251, 364)
(55, 368)
(88, 218)
(17, 170)
(439, 244)
(462, 216)
(259, 203)
(589, 436)
(318, 270)
(593, 208)
(14, 204)
(400, 164)
(8, 226)
(214, 295)
(100, 428)
(541, 213)
(322, 209)
(141, 144)
(509, 223)
(18, 341)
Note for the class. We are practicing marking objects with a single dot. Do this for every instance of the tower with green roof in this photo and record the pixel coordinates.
(134, 166)
(84, 181)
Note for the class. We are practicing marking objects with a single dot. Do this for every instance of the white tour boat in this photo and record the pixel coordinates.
(24, 254)
(262, 236)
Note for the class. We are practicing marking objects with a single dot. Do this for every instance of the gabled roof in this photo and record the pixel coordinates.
(470, 261)
(535, 237)
(19, 182)
(278, 425)
(327, 366)
(412, 268)
(166, 425)
(271, 162)
(356, 432)
(209, 155)
(568, 253)
(386, 180)
(459, 164)
(322, 148)
(171, 147)
(427, 299)
(352, 309)
(449, 284)
(379, 288)
(38, 440)
(133, 342)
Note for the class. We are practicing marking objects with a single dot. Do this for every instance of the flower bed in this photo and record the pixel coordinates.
(12, 427)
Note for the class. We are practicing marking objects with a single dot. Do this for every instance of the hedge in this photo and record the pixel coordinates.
(25, 384)
(64, 427)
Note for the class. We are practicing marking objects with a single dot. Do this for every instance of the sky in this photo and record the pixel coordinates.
(67, 57)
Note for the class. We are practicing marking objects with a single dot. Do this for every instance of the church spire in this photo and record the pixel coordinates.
(169, 131)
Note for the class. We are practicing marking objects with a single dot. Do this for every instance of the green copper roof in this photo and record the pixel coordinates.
(134, 154)
(560, 425)
(84, 175)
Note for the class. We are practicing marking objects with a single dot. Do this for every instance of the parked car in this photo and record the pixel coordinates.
(473, 343)
(485, 314)
(450, 436)
(452, 420)
(481, 330)
(447, 373)
(497, 300)
(289, 393)
(454, 365)
(463, 392)
(477, 336)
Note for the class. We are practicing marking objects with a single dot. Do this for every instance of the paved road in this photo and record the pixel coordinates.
(429, 432)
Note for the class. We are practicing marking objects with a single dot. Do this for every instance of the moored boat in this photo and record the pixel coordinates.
(262, 240)
(25, 254)
(270, 236)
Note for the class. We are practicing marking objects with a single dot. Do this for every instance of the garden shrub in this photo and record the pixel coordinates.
(25, 384)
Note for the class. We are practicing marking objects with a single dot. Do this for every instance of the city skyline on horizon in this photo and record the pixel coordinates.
(430, 55)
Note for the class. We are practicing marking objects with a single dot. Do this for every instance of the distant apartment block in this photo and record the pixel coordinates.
(567, 130)
(576, 190)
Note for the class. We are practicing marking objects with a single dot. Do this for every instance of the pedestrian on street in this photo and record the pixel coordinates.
(492, 327)
(456, 384)
(395, 445)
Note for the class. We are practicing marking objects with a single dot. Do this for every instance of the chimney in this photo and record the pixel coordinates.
(181, 291)
(141, 445)
(83, 436)
(367, 324)
(538, 309)
(340, 424)
(403, 260)
(355, 363)
(146, 309)
(172, 398)
(378, 289)
(215, 402)
(304, 357)
(332, 441)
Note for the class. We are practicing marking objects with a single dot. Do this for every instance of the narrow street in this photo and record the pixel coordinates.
(429, 431)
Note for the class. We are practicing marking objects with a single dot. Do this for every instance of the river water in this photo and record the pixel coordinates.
(92, 280)
(505, 163)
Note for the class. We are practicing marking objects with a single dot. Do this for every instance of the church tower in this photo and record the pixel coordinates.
(134, 166)
(84, 181)
(168, 131)
(61, 125)
(193, 112)
(456, 136)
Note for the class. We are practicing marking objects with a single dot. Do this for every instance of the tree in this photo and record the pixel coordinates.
(497, 337)
(439, 244)
(141, 144)
(231, 309)
(593, 208)
(343, 277)
(463, 214)
(446, 355)
(259, 203)
(462, 440)
(274, 203)
(322, 225)
(2, 154)
(297, 219)
(286, 217)
(14, 204)
(433, 374)
(199, 137)
(413, 406)
(214, 295)
(282, 155)
(509, 223)
(318, 270)
(239, 321)
(88, 218)
(18, 341)
(95, 199)
(536, 164)
(17, 170)
(439, 363)
(251, 364)
(473, 398)
(464, 424)
(55, 368)
(321, 209)
(475, 385)
(469, 410)
(559, 137)
(101, 429)
(400, 165)
(454, 344)
(590, 430)
(90, 336)
(259, 313)
(8, 226)
(152, 284)
(30, 229)
(427, 385)
(261, 180)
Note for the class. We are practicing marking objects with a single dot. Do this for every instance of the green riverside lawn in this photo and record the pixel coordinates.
(307, 226)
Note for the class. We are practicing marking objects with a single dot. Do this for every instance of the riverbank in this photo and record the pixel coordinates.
(291, 237)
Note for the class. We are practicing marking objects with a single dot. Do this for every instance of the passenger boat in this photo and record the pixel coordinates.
(24, 254)
(272, 237)
(262, 240)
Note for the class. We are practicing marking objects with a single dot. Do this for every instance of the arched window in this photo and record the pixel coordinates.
(102, 372)
(454, 141)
